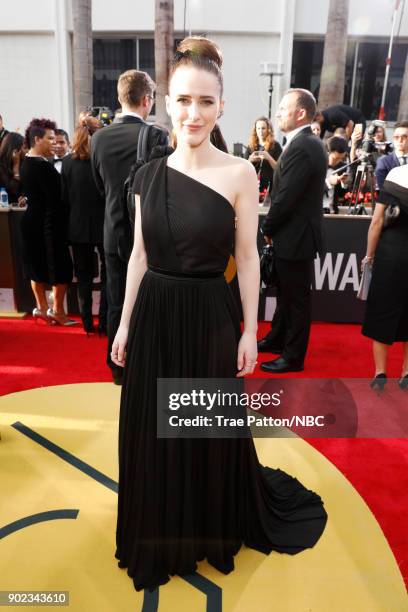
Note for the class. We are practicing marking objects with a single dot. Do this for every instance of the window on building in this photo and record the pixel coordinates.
(111, 58)
(363, 87)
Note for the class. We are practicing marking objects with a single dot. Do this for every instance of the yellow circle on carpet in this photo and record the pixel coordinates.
(351, 567)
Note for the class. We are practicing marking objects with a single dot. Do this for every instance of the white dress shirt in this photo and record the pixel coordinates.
(290, 135)
(132, 114)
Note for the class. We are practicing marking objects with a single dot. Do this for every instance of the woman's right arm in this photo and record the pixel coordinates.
(137, 267)
(374, 232)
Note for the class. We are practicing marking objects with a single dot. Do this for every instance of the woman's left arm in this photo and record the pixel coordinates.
(247, 261)
(374, 231)
(268, 157)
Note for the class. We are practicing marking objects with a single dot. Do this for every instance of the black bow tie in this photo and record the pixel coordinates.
(56, 160)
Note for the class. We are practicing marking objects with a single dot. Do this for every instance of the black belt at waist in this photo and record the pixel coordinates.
(177, 274)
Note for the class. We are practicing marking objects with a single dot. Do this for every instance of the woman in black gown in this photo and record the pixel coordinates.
(183, 500)
(44, 224)
(386, 316)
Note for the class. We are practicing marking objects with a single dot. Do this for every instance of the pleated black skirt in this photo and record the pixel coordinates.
(184, 500)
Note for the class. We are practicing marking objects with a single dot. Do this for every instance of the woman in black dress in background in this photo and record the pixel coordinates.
(263, 151)
(183, 500)
(386, 317)
(85, 210)
(12, 153)
(43, 226)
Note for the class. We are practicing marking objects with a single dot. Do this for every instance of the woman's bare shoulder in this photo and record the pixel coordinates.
(240, 166)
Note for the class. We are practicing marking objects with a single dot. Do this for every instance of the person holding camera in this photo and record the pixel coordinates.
(377, 142)
(386, 316)
(336, 182)
(339, 115)
(398, 157)
(263, 152)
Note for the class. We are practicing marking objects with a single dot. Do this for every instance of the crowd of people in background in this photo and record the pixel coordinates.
(73, 191)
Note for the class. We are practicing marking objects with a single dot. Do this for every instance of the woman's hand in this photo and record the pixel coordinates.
(265, 155)
(118, 352)
(366, 261)
(247, 354)
(254, 157)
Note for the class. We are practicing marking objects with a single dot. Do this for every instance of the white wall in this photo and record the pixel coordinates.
(28, 77)
(245, 92)
(202, 15)
(27, 15)
(366, 17)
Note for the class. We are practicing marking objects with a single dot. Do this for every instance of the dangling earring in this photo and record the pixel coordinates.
(220, 114)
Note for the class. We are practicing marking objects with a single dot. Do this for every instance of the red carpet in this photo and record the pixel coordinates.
(39, 355)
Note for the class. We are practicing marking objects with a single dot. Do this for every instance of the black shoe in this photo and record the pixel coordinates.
(89, 327)
(102, 330)
(378, 383)
(87, 323)
(267, 346)
(403, 383)
(117, 377)
(280, 365)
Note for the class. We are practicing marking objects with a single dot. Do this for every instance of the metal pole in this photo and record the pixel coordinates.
(353, 79)
(381, 113)
(270, 96)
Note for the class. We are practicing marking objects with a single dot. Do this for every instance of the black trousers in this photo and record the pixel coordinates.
(84, 259)
(116, 270)
(292, 318)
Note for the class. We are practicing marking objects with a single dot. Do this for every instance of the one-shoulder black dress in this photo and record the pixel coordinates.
(184, 500)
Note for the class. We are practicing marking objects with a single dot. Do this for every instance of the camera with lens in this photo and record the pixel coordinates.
(369, 145)
(103, 113)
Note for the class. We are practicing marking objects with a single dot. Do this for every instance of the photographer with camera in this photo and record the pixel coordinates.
(398, 157)
(336, 183)
(375, 136)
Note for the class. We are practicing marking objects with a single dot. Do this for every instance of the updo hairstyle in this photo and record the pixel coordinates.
(85, 127)
(201, 53)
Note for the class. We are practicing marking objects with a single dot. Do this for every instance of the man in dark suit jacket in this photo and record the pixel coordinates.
(340, 115)
(114, 151)
(294, 224)
(399, 157)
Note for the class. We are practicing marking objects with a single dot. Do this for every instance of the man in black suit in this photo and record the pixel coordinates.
(399, 157)
(294, 224)
(114, 151)
(62, 148)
